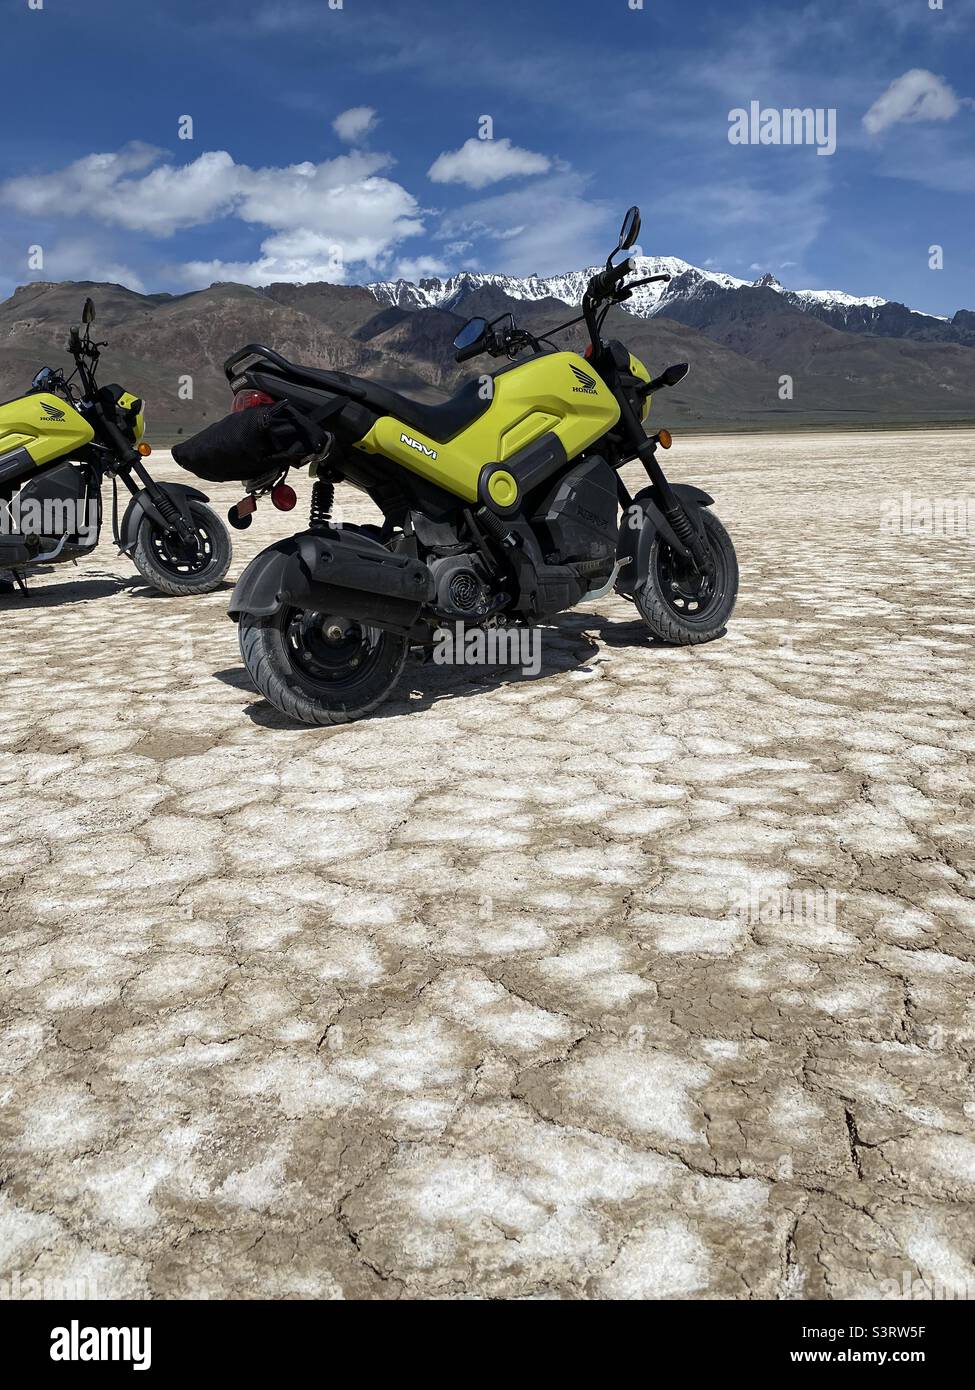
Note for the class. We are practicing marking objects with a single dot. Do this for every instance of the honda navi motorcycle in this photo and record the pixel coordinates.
(501, 506)
(58, 444)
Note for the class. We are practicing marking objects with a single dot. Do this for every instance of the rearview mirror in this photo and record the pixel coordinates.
(674, 374)
(630, 230)
(472, 332)
(88, 312)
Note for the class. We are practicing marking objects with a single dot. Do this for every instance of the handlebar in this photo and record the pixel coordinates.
(606, 281)
(124, 448)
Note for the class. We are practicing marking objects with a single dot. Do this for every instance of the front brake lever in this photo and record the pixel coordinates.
(647, 280)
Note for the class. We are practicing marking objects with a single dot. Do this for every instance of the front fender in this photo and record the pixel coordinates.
(642, 520)
(141, 505)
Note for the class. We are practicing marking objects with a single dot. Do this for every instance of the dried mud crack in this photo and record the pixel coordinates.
(495, 993)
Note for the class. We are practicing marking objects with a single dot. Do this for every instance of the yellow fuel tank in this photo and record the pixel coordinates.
(46, 426)
(558, 393)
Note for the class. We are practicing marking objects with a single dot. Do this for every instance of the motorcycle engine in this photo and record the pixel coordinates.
(577, 520)
(462, 590)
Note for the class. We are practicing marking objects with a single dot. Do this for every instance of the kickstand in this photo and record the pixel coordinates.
(20, 581)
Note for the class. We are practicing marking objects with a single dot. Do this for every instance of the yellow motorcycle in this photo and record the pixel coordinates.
(58, 444)
(501, 506)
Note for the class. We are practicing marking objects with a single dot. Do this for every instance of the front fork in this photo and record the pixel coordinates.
(672, 509)
(156, 503)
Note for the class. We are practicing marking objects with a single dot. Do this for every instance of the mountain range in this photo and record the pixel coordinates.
(688, 285)
(856, 360)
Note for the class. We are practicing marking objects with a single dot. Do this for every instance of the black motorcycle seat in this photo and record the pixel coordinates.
(438, 422)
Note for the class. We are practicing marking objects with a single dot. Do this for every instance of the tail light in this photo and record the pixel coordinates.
(245, 400)
(284, 497)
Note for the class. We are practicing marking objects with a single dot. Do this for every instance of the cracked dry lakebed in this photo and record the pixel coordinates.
(649, 976)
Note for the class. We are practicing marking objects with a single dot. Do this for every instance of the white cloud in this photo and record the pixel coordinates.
(343, 198)
(298, 256)
(480, 162)
(548, 227)
(420, 268)
(917, 95)
(323, 216)
(751, 218)
(81, 258)
(355, 124)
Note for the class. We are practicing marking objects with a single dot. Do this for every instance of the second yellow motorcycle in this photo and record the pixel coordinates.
(501, 506)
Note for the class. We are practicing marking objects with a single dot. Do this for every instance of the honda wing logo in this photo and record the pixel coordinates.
(51, 411)
(420, 448)
(587, 384)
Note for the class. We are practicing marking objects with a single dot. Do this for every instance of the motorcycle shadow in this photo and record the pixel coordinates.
(569, 644)
(82, 591)
(60, 595)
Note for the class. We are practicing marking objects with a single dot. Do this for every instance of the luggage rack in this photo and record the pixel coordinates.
(232, 365)
(338, 382)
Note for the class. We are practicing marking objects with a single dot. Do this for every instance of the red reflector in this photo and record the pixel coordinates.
(588, 352)
(284, 497)
(244, 400)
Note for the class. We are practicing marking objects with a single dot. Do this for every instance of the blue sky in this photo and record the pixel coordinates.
(342, 143)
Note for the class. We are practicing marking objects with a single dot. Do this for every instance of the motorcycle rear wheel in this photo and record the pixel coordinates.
(320, 668)
(680, 606)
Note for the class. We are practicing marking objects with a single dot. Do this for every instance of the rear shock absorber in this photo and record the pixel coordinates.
(322, 500)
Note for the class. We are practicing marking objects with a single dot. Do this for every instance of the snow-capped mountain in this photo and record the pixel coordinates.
(686, 281)
(688, 295)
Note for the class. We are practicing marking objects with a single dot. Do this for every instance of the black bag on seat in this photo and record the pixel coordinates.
(250, 443)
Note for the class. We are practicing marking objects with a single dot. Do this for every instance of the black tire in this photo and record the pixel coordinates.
(676, 605)
(319, 678)
(164, 567)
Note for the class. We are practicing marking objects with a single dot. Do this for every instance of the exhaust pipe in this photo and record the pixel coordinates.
(335, 571)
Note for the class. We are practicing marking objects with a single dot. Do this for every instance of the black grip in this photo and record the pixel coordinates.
(606, 281)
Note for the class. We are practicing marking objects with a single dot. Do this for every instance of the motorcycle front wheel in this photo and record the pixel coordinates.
(320, 668)
(681, 606)
(177, 568)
